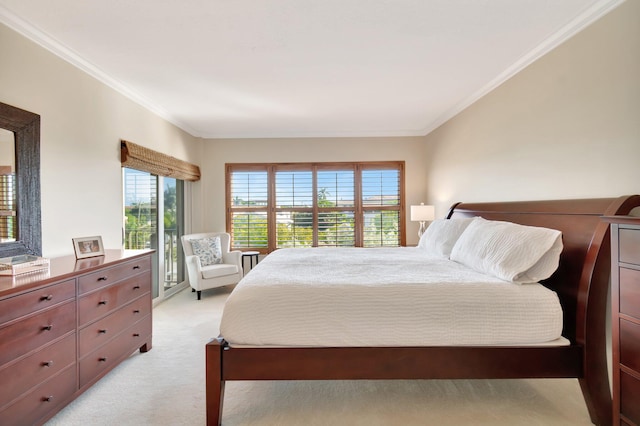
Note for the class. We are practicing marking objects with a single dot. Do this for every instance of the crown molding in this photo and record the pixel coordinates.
(49, 43)
(584, 19)
(580, 22)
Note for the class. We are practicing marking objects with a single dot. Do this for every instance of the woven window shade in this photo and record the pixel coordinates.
(140, 158)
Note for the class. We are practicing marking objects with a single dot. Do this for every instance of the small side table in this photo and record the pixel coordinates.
(250, 255)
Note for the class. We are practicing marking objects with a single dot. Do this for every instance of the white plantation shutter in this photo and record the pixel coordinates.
(272, 206)
(336, 207)
(249, 197)
(381, 200)
(294, 208)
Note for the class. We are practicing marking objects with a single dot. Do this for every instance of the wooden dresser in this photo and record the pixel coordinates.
(625, 295)
(63, 330)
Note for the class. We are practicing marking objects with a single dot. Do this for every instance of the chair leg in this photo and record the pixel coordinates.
(199, 294)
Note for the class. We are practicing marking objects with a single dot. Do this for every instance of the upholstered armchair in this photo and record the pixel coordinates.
(210, 263)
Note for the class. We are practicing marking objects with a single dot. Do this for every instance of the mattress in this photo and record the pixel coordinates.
(337, 297)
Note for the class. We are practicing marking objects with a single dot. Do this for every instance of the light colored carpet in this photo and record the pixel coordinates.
(166, 386)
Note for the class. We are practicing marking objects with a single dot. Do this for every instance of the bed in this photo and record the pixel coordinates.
(579, 283)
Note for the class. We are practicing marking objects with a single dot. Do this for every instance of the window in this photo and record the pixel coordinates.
(249, 208)
(272, 206)
(380, 201)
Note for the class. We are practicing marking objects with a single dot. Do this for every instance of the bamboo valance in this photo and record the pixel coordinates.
(140, 158)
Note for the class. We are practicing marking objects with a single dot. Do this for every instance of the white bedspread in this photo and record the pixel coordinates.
(383, 297)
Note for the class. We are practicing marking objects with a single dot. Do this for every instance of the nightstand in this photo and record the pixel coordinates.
(251, 255)
(625, 297)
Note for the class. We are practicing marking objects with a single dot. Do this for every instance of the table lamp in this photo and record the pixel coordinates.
(422, 214)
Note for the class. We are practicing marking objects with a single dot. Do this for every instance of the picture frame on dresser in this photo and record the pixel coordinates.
(88, 247)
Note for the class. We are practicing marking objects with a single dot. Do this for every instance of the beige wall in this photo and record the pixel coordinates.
(568, 126)
(82, 122)
(217, 152)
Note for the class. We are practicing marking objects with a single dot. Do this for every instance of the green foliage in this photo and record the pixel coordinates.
(250, 230)
(294, 236)
(170, 207)
(140, 222)
(335, 228)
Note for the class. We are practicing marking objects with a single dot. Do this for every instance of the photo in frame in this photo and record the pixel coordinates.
(88, 247)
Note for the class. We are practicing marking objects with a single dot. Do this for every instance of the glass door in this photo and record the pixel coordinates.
(150, 213)
(173, 202)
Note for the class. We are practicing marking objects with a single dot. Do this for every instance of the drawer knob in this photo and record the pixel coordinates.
(136, 311)
(48, 327)
(102, 302)
(47, 398)
(136, 334)
(136, 267)
(102, 278)
(137, 287)
(47, 363)
(103, 331)
(47, 297)
(103, 359)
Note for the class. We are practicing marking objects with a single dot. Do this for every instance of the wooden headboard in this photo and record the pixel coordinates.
(582, 279)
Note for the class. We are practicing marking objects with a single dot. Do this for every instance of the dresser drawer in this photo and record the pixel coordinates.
(109, 355)
(629, 245)
(100, 332)
(42, 401)
(21, 376)
(630, 345)
(630, 397)
(630, 292)
(106, 277)
(32, 332)
(17, 306)
(93, 306)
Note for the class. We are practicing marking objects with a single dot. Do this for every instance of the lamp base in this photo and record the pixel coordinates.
(423, 228)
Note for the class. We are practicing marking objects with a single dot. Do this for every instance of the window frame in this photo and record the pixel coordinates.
(359, 209)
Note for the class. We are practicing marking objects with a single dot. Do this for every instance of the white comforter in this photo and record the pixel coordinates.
(383, 297)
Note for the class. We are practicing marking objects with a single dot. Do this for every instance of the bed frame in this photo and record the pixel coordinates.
(581, 282)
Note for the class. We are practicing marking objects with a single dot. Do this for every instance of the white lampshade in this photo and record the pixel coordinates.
(422, 213)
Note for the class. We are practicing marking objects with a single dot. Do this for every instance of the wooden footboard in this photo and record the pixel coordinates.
(581, 283)
(381, 363)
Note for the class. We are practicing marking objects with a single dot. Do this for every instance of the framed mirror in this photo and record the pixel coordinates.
(20, 220)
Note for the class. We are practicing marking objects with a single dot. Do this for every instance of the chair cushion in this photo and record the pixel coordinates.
(208, 250)
(219, 270)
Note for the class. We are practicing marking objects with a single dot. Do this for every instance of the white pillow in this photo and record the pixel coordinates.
(512, 252)
(208, 250)
(441, 236)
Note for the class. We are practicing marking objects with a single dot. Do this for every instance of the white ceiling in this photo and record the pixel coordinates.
(301, 68)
